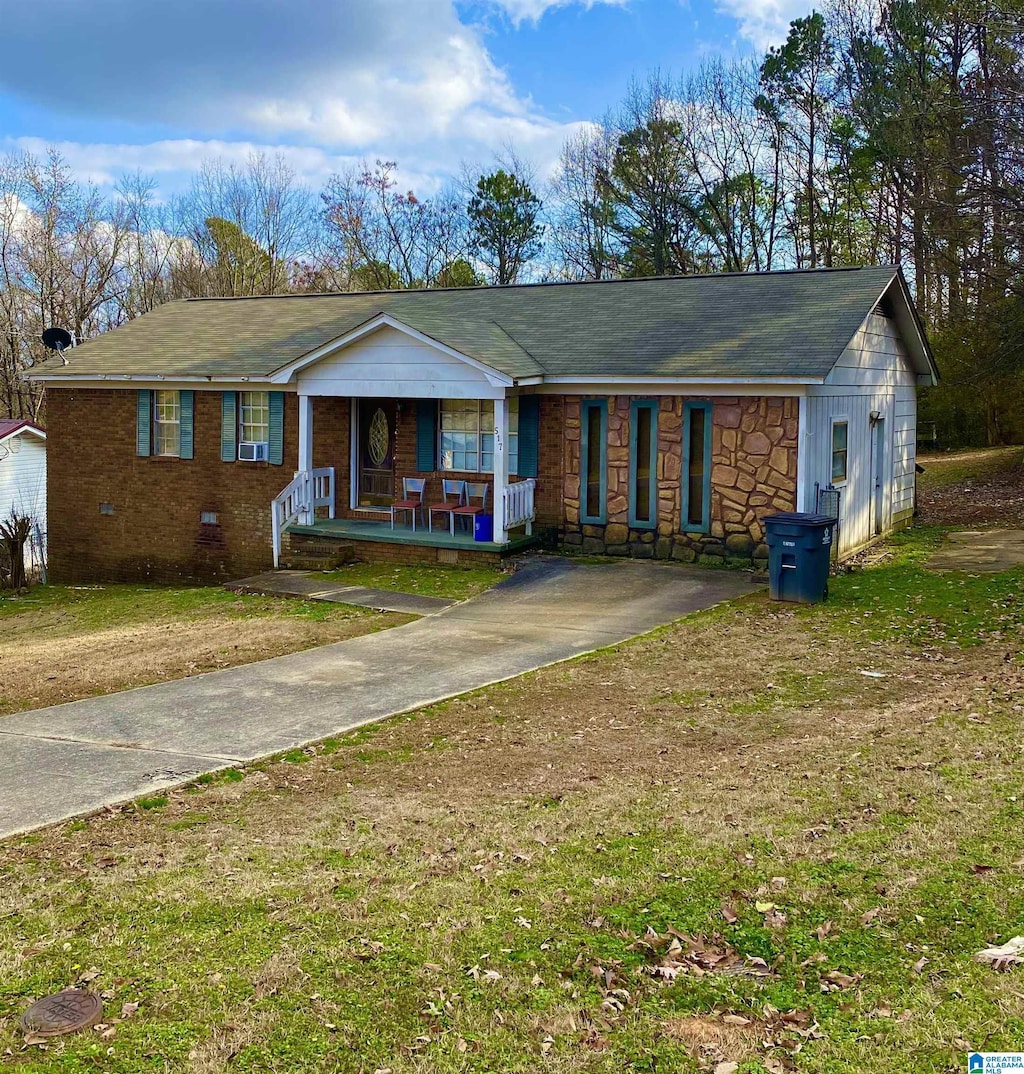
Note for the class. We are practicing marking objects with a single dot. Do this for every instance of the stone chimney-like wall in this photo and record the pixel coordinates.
(754, 450)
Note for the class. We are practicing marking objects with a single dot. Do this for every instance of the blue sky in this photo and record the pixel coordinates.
(159, 85)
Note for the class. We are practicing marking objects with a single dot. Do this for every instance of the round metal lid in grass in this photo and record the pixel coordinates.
(65, 1012)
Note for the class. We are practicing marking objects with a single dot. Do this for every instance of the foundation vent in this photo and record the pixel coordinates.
(449, 556)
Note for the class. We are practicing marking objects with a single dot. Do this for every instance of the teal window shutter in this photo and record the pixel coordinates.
(187, 413)
(144, 423)
(275, 451)
(426, 435)
(529, 435)
(228, 426)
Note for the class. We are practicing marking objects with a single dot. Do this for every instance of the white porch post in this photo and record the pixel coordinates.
(306, 450)
(500, 468)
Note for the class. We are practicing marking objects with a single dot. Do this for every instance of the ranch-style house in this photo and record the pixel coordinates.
(213, 438)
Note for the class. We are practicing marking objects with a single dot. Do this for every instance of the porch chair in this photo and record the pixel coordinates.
(453, 495)
(477, 493)
(412, 499)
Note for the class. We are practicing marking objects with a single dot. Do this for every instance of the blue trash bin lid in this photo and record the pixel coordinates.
(799, 518)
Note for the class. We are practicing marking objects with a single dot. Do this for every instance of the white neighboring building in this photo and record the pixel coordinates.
(23, 482)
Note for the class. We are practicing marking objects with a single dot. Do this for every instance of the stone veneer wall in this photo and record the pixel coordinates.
(754, 449)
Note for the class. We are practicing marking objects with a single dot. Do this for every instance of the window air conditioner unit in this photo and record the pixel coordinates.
(252, 452)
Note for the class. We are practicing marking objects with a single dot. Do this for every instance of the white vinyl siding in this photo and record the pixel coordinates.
(873, 375)
(393, 364)
(23, 482)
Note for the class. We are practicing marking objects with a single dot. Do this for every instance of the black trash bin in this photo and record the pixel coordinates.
(799, 554)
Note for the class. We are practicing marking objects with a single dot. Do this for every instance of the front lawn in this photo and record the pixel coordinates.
(459, 583)
(61, 643)
(766, 835)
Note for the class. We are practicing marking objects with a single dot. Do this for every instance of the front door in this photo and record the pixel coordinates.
(376, 447)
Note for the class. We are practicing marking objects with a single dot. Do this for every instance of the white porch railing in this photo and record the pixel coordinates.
(517, 505)
(298, 501)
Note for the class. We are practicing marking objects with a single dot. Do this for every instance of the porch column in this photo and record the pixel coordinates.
(500, 467)
(306, 452)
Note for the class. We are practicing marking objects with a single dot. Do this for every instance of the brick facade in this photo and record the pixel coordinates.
(154, 532)
(754, 452)
(150, 526)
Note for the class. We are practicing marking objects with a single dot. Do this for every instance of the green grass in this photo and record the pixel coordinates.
(453, 583)
(100, 606)
(900, 600)
(472, 888)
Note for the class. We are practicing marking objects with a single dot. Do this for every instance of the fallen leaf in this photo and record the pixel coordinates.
(866, 919)
(920, 964)
(764, 907)
(735, 1020)
(836, 980)
(128, 1009)
(730, 916)
(979, 870)
(1009, 954)
(823, 930)
(726, 1068)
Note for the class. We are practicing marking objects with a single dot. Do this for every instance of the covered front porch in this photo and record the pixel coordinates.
(391, 416)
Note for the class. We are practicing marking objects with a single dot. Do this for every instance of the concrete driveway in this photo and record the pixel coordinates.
(71, 759)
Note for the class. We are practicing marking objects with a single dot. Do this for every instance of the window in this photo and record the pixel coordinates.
(839, 453)
(254, 417)
(467, 435)
(643, 454)
(697, 467)
(593, 460)
(167, 423)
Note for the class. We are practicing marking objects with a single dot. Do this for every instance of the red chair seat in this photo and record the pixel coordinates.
(442, 506)
(407, 504)
(467, 510)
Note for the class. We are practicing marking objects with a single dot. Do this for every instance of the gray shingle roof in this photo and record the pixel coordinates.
(785, 324)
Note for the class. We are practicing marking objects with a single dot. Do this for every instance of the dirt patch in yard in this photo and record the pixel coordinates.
(973, 488)
(47, 660)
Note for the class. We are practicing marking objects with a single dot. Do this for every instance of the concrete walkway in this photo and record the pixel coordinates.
(312, 585)
(980, 551)
(71, 759)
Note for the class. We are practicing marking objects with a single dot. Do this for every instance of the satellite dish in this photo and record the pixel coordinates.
(56, 339)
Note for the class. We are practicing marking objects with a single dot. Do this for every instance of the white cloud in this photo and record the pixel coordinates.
(324, 82)
(519, 11)
(765, 22)
(345, 73)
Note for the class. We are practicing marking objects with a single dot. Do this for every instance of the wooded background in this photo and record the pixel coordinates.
(890, 134)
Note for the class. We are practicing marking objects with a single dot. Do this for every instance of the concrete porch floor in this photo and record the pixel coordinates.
(351, 529)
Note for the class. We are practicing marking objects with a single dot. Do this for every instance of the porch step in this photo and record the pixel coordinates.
(317, 554)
